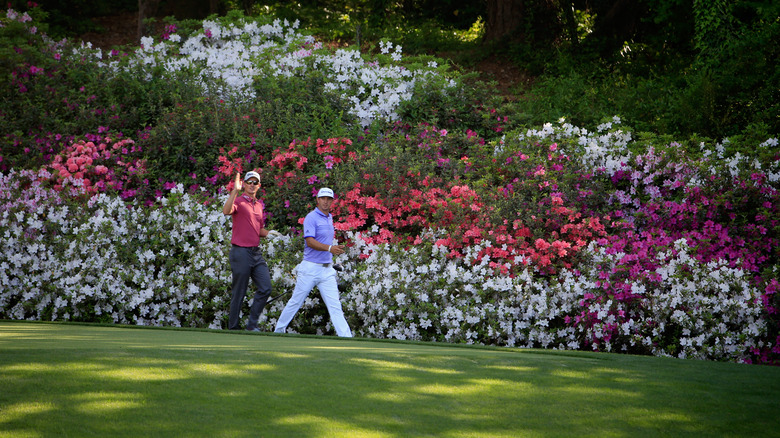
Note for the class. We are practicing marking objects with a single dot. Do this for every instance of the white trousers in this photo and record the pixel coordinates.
(310, 275)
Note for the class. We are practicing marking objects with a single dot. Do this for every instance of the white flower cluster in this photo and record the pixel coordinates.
(608, 150)
(112, 263)
(708, 311)
(13, 196)
(773, 173)
(605, 149)
(225, 59)
(375, 91)
(737, 162)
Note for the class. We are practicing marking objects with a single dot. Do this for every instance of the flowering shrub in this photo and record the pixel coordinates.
(176, 273)
(26, 191)
(294, 174)
(56, 93)
(100, 167)
(63, 261)
(422, 294)
(431, 178)
(663, 301)
(229, 53)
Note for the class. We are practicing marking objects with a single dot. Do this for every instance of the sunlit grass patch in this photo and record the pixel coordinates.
(120, 381)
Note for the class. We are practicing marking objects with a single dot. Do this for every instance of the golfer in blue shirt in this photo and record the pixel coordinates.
(316, 269)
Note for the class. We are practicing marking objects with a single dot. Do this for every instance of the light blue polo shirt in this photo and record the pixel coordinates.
(320, 227)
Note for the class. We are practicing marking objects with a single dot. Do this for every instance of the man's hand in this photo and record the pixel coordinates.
(237, 184)
(337, 249)
(227, 209)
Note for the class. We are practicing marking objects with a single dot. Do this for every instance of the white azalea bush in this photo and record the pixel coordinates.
(111, 262)
(613, 147)
(228, 55)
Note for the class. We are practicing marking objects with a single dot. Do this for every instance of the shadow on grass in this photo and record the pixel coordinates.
(65, 379)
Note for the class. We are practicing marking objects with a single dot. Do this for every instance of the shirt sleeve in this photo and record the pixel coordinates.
(234, 208)
(309, 227)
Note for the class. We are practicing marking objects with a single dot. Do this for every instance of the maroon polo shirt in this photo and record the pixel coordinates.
(248, 219)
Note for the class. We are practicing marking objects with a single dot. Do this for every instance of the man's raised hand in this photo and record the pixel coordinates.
(237, 185)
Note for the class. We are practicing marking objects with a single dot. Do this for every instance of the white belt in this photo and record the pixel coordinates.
(324, 265)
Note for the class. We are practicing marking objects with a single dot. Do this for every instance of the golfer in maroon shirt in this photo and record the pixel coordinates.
(246, 261)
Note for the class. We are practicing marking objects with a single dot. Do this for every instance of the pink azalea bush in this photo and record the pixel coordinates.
(100, 165)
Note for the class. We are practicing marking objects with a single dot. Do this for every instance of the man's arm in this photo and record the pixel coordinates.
(316, 245)
(227, 209)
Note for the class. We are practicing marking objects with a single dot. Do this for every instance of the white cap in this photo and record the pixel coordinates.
(325, 192)
(252, 174)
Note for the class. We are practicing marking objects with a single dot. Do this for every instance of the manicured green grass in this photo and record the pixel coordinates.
(87, 380)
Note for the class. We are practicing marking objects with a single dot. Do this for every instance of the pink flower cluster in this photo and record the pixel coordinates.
(229, 165)
(289, 161)
(290, 164)
(107, 165)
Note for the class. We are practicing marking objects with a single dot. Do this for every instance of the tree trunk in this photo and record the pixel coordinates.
(503, 18)
(571, 24)
(534, 22)
(146, 9)
(246, 5)
(615, 24)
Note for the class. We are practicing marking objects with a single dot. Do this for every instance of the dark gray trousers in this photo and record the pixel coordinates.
(248, 263)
